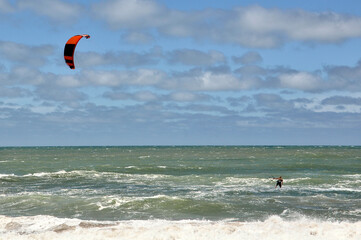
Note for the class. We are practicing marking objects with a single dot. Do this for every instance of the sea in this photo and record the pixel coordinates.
(180, 192)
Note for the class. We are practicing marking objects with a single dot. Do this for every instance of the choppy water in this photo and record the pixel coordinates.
(209, 187)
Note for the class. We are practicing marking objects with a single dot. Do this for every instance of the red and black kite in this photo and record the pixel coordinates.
(70, 48)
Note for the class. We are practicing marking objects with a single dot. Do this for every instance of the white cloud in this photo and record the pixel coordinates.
(196, 57)
(273, 102)
(24, 54)
(199, 80)
(28, 76)
(141, 77)
(216, 82)
(56, 10)
(147, 77)
(130, 13)
(342, 100)
(69, 81)
(138, 37)
(70, 96)
(117, 95)
(298, 24)
(105, 78)
(344, 77)
(190, 57)
(261, 27)
(183, 96)
(123, 58)
(248, 26)
(301, 81)
(214, 75)
(14, 92)
(248, 58)
(145, 96)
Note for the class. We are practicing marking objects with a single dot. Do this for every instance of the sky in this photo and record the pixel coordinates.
(166, 72)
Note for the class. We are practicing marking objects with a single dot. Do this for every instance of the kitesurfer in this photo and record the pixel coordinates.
(279, 181)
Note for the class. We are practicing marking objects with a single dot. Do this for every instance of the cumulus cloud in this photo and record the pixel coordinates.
(188, 57)
(55, 10)
(216, 82)
(120, 58)
(300, 80)
(273, 102)
(141, 77)
(14, 92)
(210, 74)
(141, 96)
(137, 37)
(68, 81)
(253, 26)
(248, 58)
(27, 76)
(203, 80)
(251, 70)
(70, 96)
(195, 57)
(342, 100)
(147, 96)
(188, 96)
(297, 24)
(117, 95)
(133, 13)
(239, 101)
(278, 111)
(344, 77)
(24, 54)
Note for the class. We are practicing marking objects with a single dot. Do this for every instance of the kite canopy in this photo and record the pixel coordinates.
(70, 49)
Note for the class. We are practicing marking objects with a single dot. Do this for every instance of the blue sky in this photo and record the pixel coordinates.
(181, 72)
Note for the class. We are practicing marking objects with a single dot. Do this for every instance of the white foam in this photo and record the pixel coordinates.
(329, 187)
(6, 175)
(129, 167)
(46, 174)
(115, 201)
(46, 227)
(357, 176)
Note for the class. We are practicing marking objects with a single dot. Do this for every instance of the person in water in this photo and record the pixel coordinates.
(279, 182)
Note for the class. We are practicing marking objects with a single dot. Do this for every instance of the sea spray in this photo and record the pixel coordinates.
(46, 227)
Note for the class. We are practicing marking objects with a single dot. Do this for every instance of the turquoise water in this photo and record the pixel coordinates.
(226, 183)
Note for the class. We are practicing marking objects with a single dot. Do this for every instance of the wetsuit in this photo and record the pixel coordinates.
(279, 183)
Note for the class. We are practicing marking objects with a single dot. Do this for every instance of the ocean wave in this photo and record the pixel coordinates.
(330, 188)
(71, 174)
(218, 183)
(47, 227)
(352, 176)
(6, 175)
(114, 202)
(47, 174)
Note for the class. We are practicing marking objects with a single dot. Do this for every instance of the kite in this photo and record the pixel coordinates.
(70, 49)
